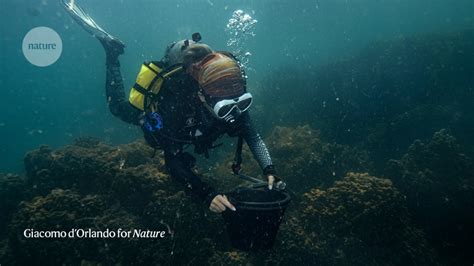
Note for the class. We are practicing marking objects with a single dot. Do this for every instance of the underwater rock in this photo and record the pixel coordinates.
(360, 220)
(63, 211)
(86, 142)
(12, 191)
(400, 132)
(438, 179)
(87, 165)
(93, 186)
(305, 161)
(231, 258)
(343, 218)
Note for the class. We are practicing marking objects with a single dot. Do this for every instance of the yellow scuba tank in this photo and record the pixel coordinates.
(149, 82)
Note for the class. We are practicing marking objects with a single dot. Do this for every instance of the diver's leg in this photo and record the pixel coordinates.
(114, 47)
(115, 91)
(179, 164)
(114, 88)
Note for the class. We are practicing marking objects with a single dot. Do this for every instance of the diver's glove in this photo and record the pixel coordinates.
(269, 170)
(273, 180)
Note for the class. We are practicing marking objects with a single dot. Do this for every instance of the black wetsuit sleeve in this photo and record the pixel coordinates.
(115, 93)
(256, 145)
(179, 164)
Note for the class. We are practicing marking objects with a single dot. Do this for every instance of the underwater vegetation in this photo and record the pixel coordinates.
(360, 220)
(438, 179)
(93, 185)
(379, 165)
(352, 218)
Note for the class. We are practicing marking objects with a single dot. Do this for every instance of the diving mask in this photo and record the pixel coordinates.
(225, 108)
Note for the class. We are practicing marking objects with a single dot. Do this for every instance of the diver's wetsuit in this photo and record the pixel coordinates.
(184, 118)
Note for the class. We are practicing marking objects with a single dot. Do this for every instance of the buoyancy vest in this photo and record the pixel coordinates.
(149, 82)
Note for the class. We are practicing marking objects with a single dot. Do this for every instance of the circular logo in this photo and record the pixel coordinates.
(42, 46)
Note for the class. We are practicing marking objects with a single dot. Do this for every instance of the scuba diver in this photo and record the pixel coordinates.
(193, 95)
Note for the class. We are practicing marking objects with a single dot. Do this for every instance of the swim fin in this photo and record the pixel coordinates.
(110, 43)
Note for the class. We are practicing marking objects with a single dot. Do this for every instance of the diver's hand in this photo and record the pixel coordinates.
(271, 179)
(220, 203)
(275, 182)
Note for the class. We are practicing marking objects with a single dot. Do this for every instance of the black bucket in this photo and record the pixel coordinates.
(254, 225)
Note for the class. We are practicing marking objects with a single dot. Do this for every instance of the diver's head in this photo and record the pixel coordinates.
(222, 84)
(195, 53)
(175, 52)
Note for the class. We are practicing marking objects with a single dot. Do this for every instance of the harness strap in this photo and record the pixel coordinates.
(150, 94)
(238, 156)
(140, 89)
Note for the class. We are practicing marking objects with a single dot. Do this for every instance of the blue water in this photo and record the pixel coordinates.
(55, 104)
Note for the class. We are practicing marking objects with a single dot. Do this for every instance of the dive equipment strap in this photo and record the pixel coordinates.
(149, 82)
(238, 156)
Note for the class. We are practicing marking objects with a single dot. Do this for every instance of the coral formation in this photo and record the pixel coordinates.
(91, 185)
(231, 258)
(12, 191)
(361, 220)
(438, 180)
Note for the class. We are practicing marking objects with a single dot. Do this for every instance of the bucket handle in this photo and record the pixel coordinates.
(280, 185)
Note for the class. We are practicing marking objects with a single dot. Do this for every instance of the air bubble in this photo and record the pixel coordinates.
(240, 29)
